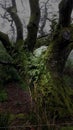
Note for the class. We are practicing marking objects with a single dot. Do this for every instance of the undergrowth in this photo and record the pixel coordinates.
(52, 101)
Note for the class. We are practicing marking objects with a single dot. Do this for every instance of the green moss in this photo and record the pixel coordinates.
(19, 45)
(42, 41)
(17, 116)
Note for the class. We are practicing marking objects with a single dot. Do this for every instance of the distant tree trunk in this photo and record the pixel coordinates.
(33, 24)
(13, 13)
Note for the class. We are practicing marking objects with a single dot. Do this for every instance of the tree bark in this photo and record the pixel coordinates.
(6, 42)
(59, 49)
(65, 10)
(13, 13)
(57, 54)
(33, 24)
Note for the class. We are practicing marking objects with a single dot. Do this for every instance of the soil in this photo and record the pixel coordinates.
(19, 101)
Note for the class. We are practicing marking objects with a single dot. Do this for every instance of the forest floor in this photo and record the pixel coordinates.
(18, 101)
(18, 105)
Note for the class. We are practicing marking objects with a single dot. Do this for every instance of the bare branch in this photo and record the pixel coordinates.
(44, 18)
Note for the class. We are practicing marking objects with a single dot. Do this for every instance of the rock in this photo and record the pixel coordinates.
(40, 50)
(70, 57)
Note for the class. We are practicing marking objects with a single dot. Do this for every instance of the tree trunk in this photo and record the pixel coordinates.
(57, 54)
(59, 49)
(13, 13)
(6, 42)
(65, 10)
(33, 24)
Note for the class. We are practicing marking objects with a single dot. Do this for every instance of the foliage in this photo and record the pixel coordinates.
(8, 72)
(54, 100)
(4, 121)
(33, 119)
(42, 41)
(3, 95)
(51, 100)
(35, 66)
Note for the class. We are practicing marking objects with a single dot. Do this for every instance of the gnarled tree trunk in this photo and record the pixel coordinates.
(59, 48)
(58, 51)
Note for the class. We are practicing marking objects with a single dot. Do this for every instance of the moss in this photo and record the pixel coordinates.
(24, 118)
(42, 41)
(19, 44)
(17, 116)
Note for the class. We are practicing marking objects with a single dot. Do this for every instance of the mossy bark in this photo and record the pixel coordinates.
(6, 42)
(56, 57)
(59, 49)
(61, 45)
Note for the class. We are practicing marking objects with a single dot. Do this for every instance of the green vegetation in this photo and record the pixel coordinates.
(51, 102)
(67, 128)
(3, 96)
(46, 77)
(8, 72)
(4, 121)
